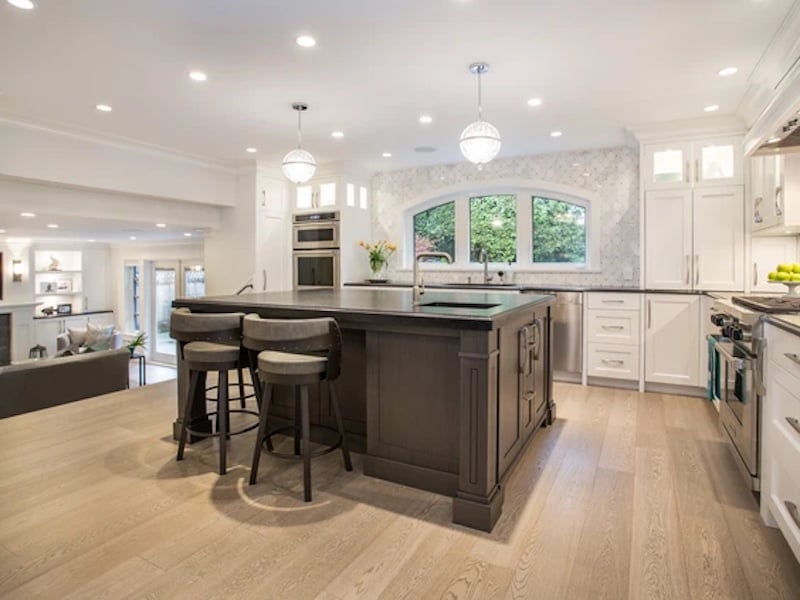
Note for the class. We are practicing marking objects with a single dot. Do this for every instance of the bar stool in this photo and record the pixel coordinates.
(209, 342)
(299, 353)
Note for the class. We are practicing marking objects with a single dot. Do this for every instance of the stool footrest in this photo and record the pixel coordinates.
(321, 452)
(206, 434)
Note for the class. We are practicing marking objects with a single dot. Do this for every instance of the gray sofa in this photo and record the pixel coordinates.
(47, 382)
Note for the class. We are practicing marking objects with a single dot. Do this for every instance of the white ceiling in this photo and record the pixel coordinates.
(379, 64)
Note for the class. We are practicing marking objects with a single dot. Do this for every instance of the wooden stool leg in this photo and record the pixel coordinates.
(340, 425)
(266, 394)
(194, 376)
(222, 414)
(242, 402)
(306, 442)
(297, 418)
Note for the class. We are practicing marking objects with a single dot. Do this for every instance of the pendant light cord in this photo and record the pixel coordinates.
(480, 108)
(299, 130)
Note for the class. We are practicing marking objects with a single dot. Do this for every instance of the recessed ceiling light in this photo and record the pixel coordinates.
(27, 214)
(728, 71)
(773, 140)
(2, 230)
(535, 102)
(91, 241)
(576, 164)
(424, 149)
(387, 155)
(556, 134)
(198, 76)
(711, 108)
(187, 234)
(251, 150)
(306, 41)
(26, 4)
(337, 134)
(52, 226)
(161, 225)
(133, 237)
(425, 119)
(103, 108)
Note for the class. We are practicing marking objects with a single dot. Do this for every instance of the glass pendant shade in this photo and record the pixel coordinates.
(299, 166)
(480, 142)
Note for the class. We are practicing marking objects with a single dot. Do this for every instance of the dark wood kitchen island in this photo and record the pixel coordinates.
(442, 396)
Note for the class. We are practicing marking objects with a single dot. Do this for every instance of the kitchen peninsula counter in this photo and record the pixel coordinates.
(443, 398)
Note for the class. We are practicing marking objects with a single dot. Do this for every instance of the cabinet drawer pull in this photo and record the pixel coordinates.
(613, 361)
(614, 327)
(792, 356)
(697, 169)
(687, 170)
(599, 351)
(613, 301)
(792, 508)
(794, 423)
(688, 269)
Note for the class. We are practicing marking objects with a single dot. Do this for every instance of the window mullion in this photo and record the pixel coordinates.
(462, 231)
(524, 228)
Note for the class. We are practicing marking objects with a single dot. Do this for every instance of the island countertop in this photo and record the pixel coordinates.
(362, 305)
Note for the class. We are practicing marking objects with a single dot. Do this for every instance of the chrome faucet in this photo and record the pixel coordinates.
(484, 258)
(419, 286)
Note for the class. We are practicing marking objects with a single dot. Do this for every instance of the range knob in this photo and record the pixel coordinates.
(720, 319)
(733, 332)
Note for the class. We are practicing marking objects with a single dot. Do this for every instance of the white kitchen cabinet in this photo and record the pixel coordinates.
(694, 239)
(672, 344)
(780, 436)
(613, 334)
(273, 236)
(767, 253)
(694, 163)
(339, 191)
(776, 194)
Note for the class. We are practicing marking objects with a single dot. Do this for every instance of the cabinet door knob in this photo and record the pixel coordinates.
(792, 356)
(794, 423)
(792, 508)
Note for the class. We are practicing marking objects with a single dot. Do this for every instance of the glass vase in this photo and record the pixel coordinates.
(377, 271)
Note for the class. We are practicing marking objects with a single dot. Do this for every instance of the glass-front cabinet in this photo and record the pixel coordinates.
(684, 164)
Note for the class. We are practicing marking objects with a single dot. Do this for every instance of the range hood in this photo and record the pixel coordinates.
(786, 139)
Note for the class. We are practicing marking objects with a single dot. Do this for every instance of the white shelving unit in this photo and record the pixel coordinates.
(58, 278)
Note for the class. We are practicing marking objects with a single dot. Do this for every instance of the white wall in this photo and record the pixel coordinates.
(40, 154)
(611, 176)
(21, 291)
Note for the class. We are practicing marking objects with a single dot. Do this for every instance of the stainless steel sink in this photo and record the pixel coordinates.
(477, 305)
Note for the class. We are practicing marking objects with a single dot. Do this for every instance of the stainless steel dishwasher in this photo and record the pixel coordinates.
(567, 316)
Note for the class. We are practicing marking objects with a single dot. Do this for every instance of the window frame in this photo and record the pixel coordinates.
(524, 192)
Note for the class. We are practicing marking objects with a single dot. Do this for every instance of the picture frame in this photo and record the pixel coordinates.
(64, 286)
(64, 309)
(47, 287)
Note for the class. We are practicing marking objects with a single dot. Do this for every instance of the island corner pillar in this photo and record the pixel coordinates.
(479, 498)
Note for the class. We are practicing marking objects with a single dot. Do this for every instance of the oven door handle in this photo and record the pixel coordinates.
(741, 363)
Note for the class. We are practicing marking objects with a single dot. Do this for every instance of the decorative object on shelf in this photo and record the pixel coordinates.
(64, 309)
(48, 311)
(140, 341)
(379, 254)
(480, 141)
(298, 165)
(55, 264)
(16, 270)
(47, 287)
(38, 351)
(64, 286)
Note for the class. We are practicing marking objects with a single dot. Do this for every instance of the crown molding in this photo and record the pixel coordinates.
(121, 143)
(685, 129)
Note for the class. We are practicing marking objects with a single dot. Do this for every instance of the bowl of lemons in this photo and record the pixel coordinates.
(789, 275)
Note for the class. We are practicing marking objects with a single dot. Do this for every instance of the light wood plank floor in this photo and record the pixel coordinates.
(628, 495)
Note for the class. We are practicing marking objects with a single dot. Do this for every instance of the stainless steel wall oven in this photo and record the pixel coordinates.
(315, 241)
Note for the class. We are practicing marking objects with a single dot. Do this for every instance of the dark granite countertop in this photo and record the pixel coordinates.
(790, 323)
(376, 306)
(73, 314)
(526, 287)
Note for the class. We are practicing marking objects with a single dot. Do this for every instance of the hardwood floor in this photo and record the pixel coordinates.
(628, 495)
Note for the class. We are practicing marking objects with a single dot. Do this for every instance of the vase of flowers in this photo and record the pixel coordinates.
(379, 253)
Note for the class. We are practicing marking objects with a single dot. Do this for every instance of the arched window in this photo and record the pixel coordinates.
(530, 226)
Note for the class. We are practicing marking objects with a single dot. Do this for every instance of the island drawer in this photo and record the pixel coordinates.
(784, 494)
(613, 326)
(613, 360)
(623, 301)
(784, 350)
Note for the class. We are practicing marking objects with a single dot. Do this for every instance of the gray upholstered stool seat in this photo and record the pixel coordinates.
(286, 363)
(209, 343)
(209, 352)
(297, 353)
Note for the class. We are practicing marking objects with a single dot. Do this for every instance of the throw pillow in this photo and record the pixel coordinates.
(98, 338)
(77, 337)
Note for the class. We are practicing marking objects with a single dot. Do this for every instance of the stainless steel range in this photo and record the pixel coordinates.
(736, 372)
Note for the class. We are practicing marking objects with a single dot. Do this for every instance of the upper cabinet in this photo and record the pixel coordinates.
(775, 194)
(339, 192)
(686, 164)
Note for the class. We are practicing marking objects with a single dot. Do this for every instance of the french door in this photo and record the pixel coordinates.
(170, 279)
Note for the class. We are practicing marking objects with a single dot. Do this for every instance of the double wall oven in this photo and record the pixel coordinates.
(315, 255)
(736, 372)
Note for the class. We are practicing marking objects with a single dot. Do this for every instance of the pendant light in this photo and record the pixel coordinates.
(299, 165)
(480, 141)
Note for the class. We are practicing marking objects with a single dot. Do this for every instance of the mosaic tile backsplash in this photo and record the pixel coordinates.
(611, 174)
